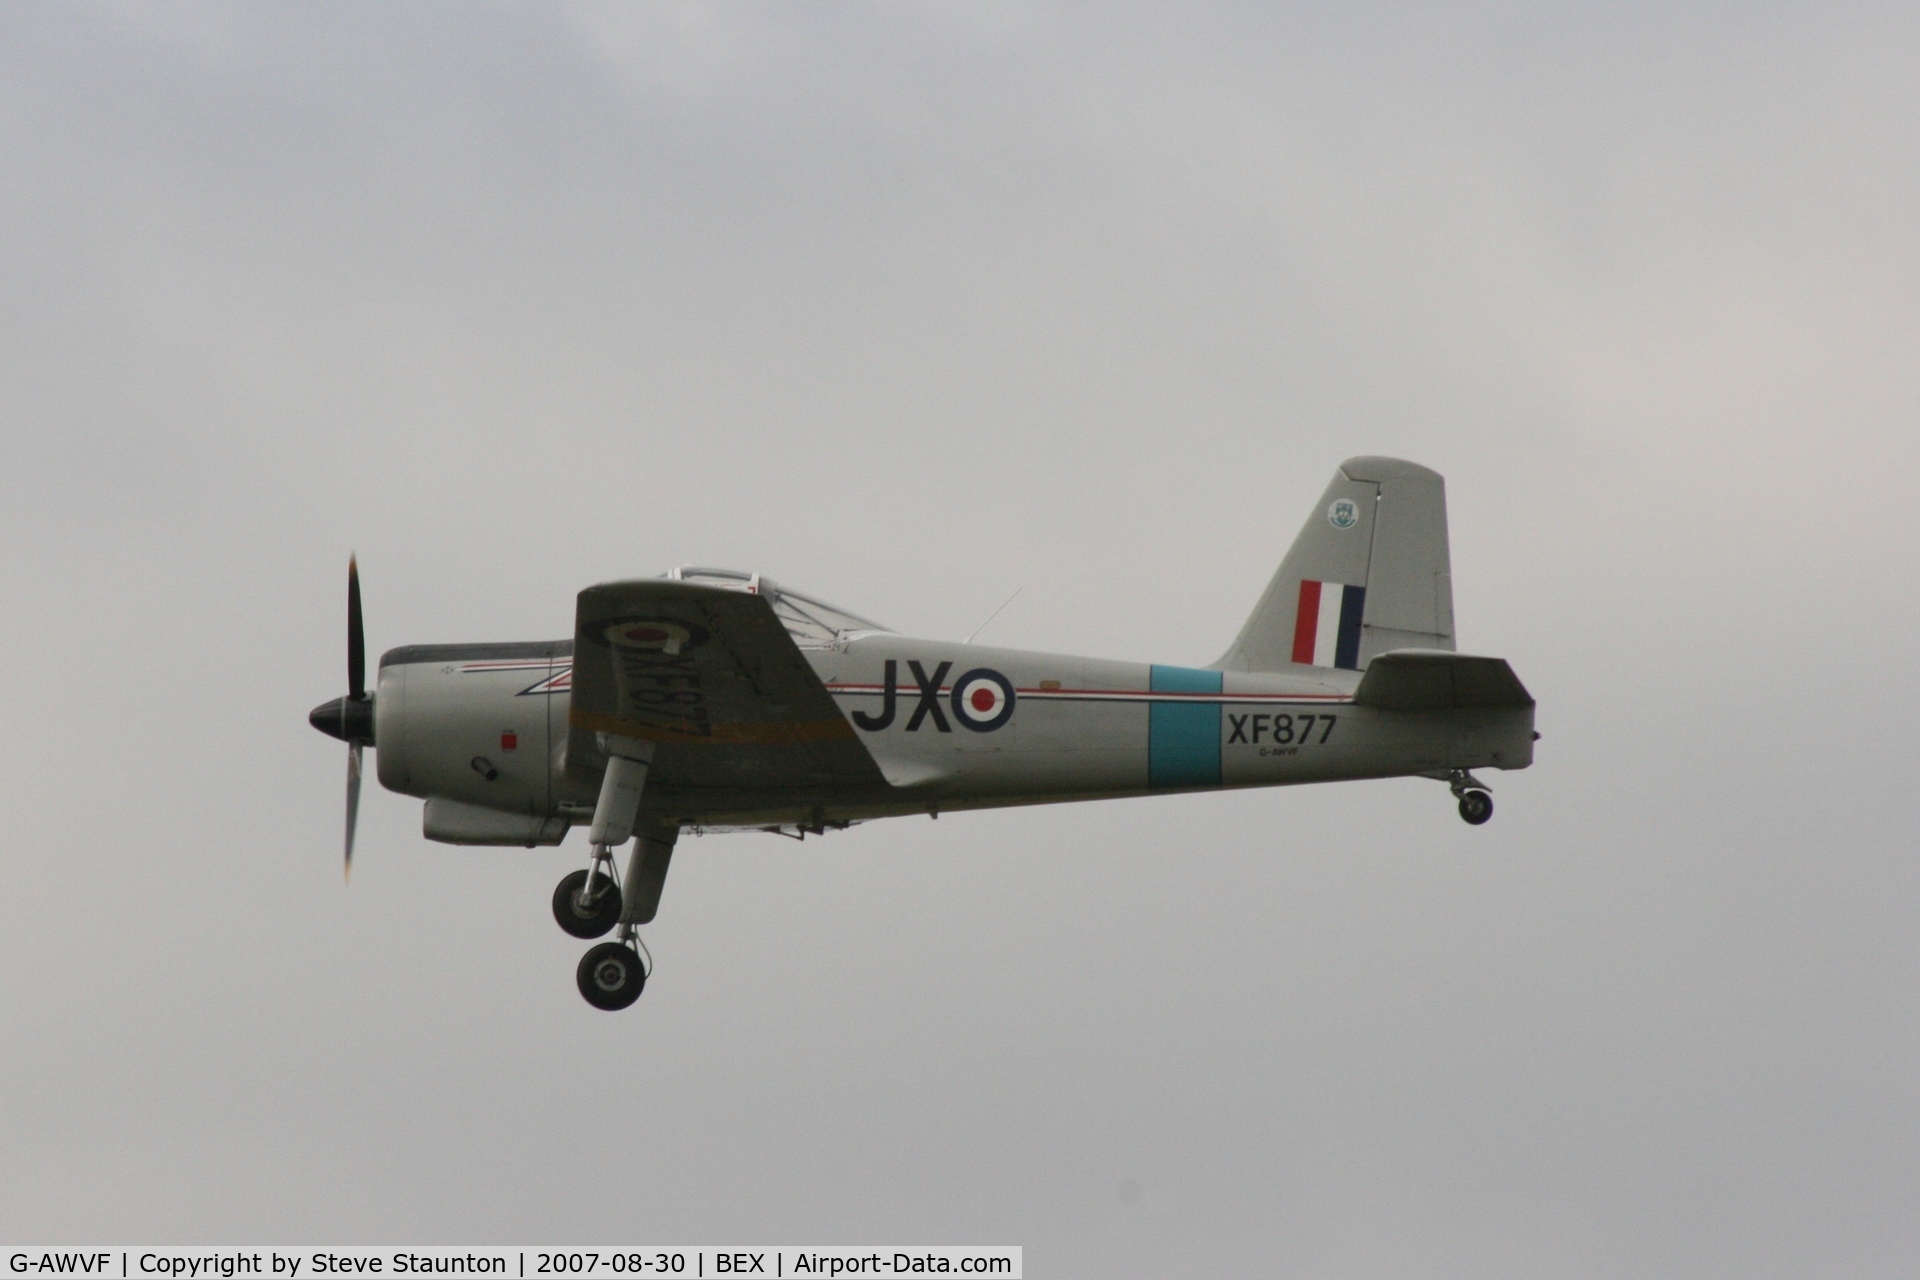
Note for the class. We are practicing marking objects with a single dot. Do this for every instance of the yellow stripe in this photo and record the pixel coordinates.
(775, 733)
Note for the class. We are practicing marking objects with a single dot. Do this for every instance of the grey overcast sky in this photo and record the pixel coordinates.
(909, 305)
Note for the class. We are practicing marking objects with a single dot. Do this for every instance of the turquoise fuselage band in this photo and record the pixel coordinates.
(1183, 738)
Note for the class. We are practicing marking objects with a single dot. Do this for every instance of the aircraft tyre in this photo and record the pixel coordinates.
(1475, 807)
(591, 921)
(610, 976)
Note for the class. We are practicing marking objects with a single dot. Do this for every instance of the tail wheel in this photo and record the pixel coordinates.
(1476, 807)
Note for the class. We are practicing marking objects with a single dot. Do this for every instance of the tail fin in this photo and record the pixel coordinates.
(1368, 573)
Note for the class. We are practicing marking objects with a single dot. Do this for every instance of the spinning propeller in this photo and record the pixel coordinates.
(350, 719)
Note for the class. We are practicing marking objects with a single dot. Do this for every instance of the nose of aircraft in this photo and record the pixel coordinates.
(348, 719)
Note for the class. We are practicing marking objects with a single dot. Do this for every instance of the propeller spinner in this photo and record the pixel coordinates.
(350, 719)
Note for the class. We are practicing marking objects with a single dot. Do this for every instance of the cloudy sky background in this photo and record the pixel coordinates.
(909, 306)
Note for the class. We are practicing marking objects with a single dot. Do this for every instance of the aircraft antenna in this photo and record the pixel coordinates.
(996, 613)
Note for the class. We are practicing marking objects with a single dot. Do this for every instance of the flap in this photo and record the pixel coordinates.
(712, 675)
(909, 771)
(1435, 680)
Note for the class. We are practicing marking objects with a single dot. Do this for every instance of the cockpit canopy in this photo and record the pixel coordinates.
(813, 624)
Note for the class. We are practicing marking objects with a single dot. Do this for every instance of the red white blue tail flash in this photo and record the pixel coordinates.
(1326, 629)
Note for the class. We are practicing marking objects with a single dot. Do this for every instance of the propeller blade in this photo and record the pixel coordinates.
(353, 803)
(356, 635)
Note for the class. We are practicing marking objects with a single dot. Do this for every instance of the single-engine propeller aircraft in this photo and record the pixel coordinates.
(710, 699)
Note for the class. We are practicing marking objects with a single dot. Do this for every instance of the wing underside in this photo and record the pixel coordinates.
(712, 676)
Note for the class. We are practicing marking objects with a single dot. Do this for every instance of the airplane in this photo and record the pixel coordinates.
(713, 700)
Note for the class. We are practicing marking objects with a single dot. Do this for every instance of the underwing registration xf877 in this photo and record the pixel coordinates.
(712, 699)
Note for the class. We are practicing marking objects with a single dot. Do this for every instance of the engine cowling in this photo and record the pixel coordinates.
(480, 725)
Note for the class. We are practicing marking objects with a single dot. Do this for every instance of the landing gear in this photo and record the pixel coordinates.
(1476, 807)
(587, 911)
(611, 976)
(1476, 800)
(587, 903)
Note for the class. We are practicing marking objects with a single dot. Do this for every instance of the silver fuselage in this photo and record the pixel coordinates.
(486, 726)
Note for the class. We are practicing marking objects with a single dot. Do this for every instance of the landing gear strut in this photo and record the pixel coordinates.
(1476, 800)
(587, 903)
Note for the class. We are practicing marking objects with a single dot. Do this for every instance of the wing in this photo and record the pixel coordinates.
(713, 677)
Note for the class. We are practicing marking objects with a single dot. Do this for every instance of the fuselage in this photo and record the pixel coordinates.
(950, 726)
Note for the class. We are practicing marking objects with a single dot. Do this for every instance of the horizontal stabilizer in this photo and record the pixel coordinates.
(1436, 680)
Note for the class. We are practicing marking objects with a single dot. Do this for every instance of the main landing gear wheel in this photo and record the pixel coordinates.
(610, 976)
(1476, 806)
(590, 919)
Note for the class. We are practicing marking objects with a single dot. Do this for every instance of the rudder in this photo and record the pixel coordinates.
(1369, 572)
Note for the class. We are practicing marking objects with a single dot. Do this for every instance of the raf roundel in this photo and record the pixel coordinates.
(658, 635)
(982, 700)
